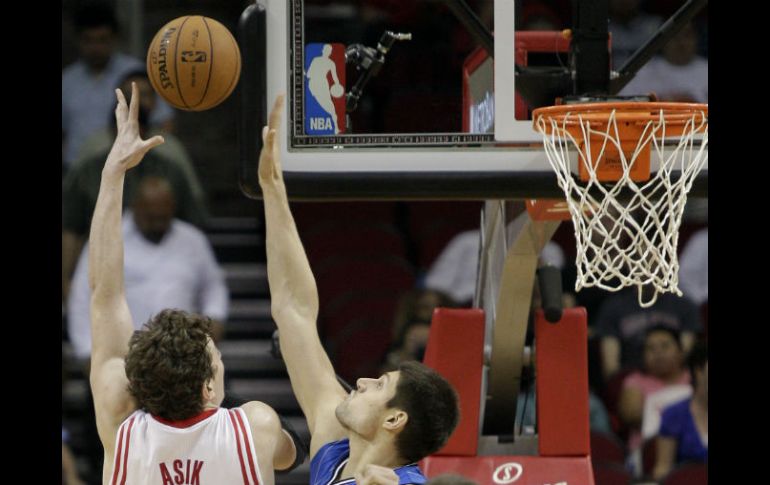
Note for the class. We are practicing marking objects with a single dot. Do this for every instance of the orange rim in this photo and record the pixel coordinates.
(631, 120)
(627, 112)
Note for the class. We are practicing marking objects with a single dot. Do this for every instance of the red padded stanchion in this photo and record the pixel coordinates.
(516, 470)
(456, 350)
(561, 354)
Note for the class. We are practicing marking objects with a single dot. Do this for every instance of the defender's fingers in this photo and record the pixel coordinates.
(274, 122)
(133, 109)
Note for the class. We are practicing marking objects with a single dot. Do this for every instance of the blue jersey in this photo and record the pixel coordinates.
(326, 467)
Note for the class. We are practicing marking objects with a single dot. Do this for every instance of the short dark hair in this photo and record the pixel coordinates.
(168, 364)
(697, 358)
(432, 406)
(92, 14)
(675, 334)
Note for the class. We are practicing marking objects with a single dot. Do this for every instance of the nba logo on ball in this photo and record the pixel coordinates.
(324, 89)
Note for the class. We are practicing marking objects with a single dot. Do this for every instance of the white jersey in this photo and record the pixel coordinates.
(213, 448)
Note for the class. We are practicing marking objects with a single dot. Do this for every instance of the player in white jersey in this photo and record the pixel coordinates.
(157, 391)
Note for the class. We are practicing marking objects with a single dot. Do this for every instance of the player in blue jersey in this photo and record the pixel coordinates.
(392, 421)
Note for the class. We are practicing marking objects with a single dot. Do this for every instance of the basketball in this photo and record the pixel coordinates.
(194, 63)
(337, 91)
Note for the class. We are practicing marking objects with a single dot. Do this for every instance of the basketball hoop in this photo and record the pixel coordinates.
(636, 162)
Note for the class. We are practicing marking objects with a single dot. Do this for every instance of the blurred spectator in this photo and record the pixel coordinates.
(88, 85)
(656, 402)
(69, 469)
(411, 325)
(81, 184)
(622, 323)
(168, 264)
(694, 268)
(630, 29)
(679, 74)
(100, 142)
(454, 271)
(409, 345)
(663, 366)
(683, 435)
(416, 306)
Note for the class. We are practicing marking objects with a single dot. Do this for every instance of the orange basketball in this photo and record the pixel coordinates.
(194, 62)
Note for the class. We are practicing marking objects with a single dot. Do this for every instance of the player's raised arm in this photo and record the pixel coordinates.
(294, 296)
(111, 325)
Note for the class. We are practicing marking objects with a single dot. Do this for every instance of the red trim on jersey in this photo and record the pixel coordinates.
(116, 464)
(248, 447)
(186, 423)
(125, 455)
(238, 442)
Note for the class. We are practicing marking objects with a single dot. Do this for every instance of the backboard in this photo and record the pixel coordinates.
(431, 116)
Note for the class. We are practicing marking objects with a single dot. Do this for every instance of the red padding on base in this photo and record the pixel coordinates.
(456, 350)
(515, 470)
(561, 351)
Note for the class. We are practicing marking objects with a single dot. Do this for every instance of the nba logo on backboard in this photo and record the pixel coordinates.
(324, 89)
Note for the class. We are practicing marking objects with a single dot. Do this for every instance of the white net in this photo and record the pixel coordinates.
(627, 231)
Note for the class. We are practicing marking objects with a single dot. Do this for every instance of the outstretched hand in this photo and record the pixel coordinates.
(129, 148)
(270, 172)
